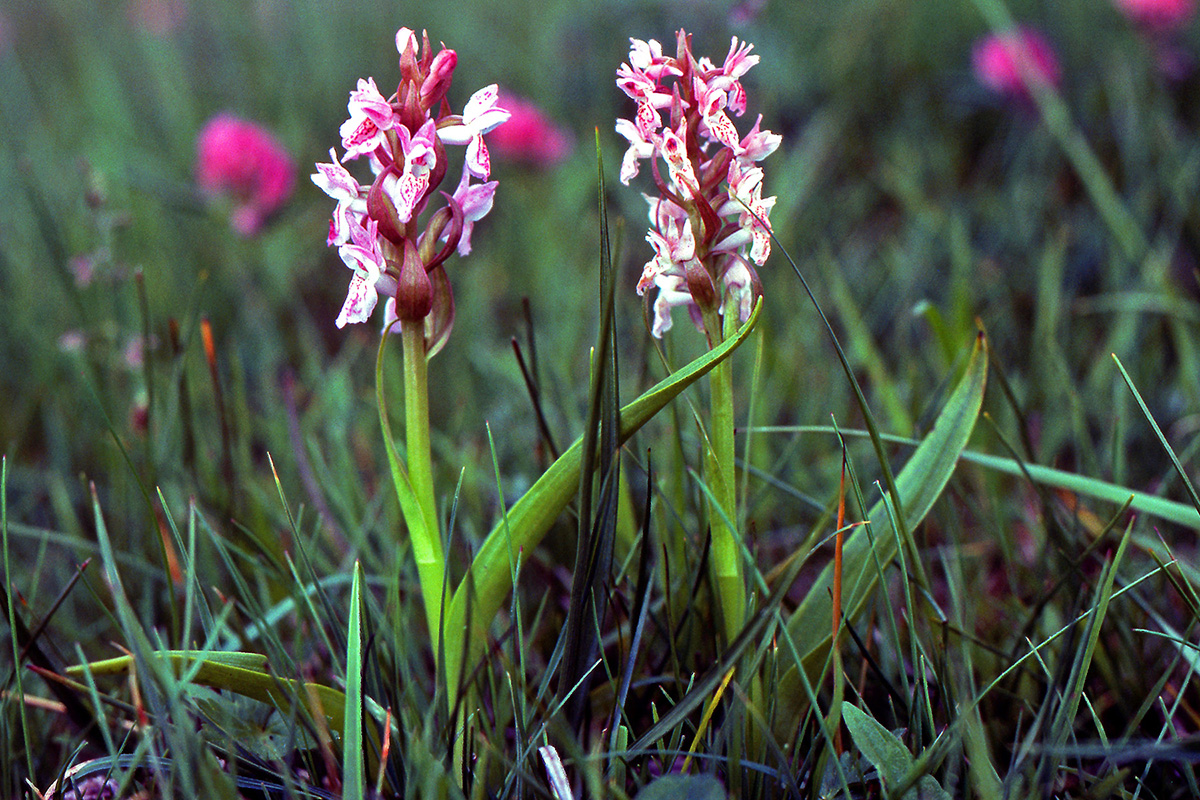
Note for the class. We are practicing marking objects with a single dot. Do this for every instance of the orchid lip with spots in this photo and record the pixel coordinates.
(403, 137)
(710, 212)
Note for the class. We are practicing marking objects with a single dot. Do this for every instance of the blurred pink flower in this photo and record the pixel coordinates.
(1010, 63)
(1158, 16)
(241, 159)
(158, 17)
(83, 268)
(529, 136)
(746, 12)
(73, 341)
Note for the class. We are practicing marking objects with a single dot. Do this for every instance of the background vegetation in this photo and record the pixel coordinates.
(919, 206)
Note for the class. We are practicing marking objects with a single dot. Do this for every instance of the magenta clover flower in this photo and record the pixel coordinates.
(377, 226)
(1011, 63)
(1158, 16)
(710, 223)
(242, 160)
(530, 136)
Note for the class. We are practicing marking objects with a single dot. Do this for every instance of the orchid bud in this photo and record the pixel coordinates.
(414, 292)
(440, 320)
(700, 284)
(433, 90)
(406, 45)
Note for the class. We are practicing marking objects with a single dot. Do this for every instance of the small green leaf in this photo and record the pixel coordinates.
(220, 671)
(887, 754)
(121, 665)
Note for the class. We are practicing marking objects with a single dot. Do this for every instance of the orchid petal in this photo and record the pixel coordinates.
(360, 302)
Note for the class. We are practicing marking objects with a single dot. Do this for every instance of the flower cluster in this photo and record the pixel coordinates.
(375, 226)
(239, 158)
(709, 223)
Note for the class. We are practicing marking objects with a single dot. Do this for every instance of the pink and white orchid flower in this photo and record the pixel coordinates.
(337, 182)
(481, 114)
(371, 116)
(475, 201)
(362, 254)
(419, 159)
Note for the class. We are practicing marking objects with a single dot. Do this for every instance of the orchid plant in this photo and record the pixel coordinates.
(395, 249)
(709, 230)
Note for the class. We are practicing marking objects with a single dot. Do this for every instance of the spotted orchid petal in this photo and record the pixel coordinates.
(739, 282)
(409, 188)
(643, 54)
(683, 174)
(371, 116)
(671, 293)
(674, 247)
(483, 112)
(337, 182)
(758, 144)
(475, 201)
(712, 109)
(481, 115)
(739, 61)
(639, 148)
(639, 86)
(364, 256)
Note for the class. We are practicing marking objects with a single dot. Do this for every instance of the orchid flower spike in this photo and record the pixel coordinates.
(709, 223)
(381, 228)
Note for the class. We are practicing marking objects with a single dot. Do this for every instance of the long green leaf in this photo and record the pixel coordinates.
(230, 671)
(919, 483)
(1183, 514)
(488, 580)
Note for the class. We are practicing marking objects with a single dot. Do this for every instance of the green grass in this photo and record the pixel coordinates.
(1020, 621)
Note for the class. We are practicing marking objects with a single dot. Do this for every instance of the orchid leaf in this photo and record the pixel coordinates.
(919, 485)
(489, 578)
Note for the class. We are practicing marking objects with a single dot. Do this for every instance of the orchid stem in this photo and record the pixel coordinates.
(721, 477)
(425, 532)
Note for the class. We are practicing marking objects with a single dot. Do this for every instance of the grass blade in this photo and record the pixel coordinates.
(354, 777)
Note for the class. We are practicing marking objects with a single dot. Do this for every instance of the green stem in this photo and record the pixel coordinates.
(488, 581)
(722, 481)
(425, 536)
